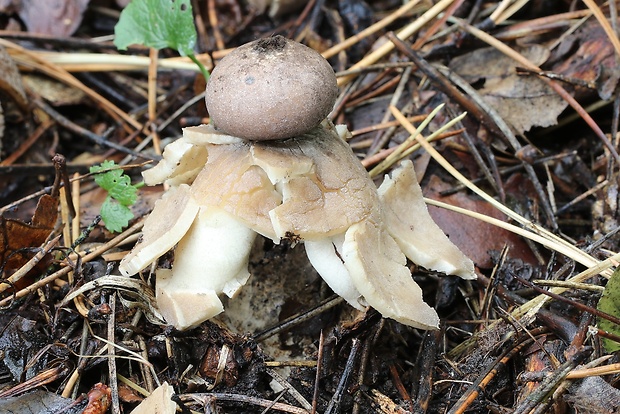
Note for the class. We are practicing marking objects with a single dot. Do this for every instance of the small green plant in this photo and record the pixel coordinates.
(115, 210)
(610, 304)
(159, 24)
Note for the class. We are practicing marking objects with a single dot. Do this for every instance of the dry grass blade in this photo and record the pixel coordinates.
(501, 7)
(152, 98)
(507, 10)
(207, 398)
(404, 33)
(103, 62)
(30, 59)
(597, 371)
(123, 283)
(543, 23)
(290, 389)
(535, 232)
(398, 153)
(116, 405)
(381, 24)
(560, 248)
(42, 378)
(133, 385)
(569, 285)
(412, 147)
(603, 267)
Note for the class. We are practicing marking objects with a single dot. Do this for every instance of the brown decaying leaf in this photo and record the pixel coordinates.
(38, 401)
(473, 237)
(10, 80)
(55, 18)
(522, 101)
(211, 366)
(99, 399)
(11, 87)
(593, 61)
(18, 341)
(16, 235)
(595, 396)
(128, 395)
(53, 91)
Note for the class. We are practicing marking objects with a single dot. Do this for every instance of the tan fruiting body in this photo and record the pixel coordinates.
(226, 187)
(159, 402)
(270, 89)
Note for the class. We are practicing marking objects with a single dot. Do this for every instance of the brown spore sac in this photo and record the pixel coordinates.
(270, 44)
(270, 89)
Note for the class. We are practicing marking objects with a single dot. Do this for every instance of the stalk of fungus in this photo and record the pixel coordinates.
(270, 163)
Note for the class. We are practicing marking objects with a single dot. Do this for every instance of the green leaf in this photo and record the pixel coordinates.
(157, 24)
(115, 215)
(610, 304)
(121, 193)
(106, 165)
(116, 183)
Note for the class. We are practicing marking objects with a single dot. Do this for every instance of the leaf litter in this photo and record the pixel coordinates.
(286, 343)
(523, 101)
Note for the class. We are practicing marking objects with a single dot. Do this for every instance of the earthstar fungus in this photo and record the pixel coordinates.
(262, 172)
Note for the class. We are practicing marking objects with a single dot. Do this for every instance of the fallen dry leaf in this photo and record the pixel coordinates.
(595, 396)
(53, 91)
(128, 395)
(39, 402)
(522, 101)
(16, 235)
(58, 18)
(10, 87)
(18, 340)
(10, 80)
(593, 61)
(216, 370)
(474, 237)
(99, 399)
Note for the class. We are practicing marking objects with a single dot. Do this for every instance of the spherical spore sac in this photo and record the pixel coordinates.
(270, 89)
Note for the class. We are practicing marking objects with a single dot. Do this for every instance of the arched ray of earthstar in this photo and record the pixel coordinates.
(254, 172)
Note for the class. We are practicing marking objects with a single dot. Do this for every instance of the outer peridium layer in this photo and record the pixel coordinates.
(408, 221)
(169, 221)
(377, 268)
(211, 259)
(306, 188)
